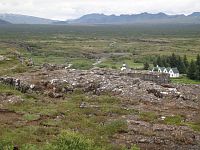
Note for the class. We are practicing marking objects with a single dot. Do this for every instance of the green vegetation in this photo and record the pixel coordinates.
(174, 120)
(83, 64)
(82, 45)
(31, 117)
(184, 80)
(148, 116)
(42, 120)
(194, 126)
(173, 61)
(38, 122)
(146, 66)
(192, 69)
(72, 141)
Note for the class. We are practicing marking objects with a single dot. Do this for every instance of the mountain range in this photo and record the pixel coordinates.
(24, 19)
(144, 18)
(193, 18)
(2, 22)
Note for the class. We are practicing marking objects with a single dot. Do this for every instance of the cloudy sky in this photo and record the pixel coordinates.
(68, 9)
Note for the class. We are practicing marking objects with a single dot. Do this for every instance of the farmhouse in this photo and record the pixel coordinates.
(173, 72)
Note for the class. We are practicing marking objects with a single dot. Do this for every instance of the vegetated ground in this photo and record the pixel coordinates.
(112, 122)
(113, 45)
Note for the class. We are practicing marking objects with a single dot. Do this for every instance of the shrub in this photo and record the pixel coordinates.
(5, 145)
(72, 141)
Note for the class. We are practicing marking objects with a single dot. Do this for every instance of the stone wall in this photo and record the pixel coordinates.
(153, 77)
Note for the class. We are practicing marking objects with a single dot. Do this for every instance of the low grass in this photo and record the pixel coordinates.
(94, 123)
(31, 117)
(113, 127)
(9, 90)
(83, 64)
(117, 64)
(194, 126)
(69, 140)
(184, 80)
(174, 120)
(12, 67)
(75, 44)
(148, 116)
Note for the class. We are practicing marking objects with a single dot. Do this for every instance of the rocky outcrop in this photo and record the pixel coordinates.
(56, 81)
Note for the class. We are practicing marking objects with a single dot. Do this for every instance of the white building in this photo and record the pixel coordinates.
(124, 67)
(173, 72)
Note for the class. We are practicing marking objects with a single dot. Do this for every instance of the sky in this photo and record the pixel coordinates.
(70, 9)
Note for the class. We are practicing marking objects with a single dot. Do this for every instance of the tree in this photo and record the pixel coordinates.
(185, 60)
(197, 73)
(159, 61)
(146, 66)
(154, 63)
(173, 60)
(180, 65)
(192, 70)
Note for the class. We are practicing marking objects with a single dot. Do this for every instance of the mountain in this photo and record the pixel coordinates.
(195, 14)
(23, 19)
(194, 18)
(2, 22)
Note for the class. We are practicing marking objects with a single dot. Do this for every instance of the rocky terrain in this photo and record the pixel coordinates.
(166, 115)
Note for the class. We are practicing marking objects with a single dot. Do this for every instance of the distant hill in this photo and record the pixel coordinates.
(2, 22)
(195, 14)
(23, 19)
(194, 18)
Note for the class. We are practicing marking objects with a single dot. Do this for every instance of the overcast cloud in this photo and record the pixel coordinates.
(68, 9)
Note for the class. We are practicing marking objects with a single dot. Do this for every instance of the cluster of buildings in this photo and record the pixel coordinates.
(173, 72)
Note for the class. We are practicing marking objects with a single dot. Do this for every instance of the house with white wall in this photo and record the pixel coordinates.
(173, 72)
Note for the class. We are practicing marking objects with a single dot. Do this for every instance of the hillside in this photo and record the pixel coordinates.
(3, 22)
(160, 18)
(23, 19)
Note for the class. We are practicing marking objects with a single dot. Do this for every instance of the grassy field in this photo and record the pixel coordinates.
(83, 46)
(184, 80)
(42, 119)
(63, 44)
(37, 121)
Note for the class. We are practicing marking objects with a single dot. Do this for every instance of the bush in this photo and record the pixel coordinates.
(5, 145)
(71, 141)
